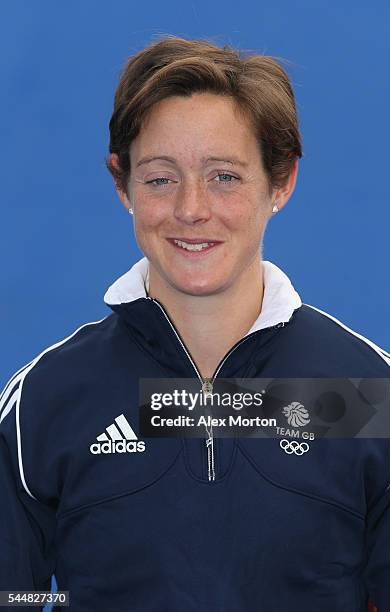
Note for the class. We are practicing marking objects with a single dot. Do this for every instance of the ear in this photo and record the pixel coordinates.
(283, 194)
(113, 162)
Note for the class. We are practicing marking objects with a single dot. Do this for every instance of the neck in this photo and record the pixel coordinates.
(210, 325)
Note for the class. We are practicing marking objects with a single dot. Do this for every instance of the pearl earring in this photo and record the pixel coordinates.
(275, 209)
(130, 210)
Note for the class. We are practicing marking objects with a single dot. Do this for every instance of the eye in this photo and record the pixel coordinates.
(226, 174)
(155, 184)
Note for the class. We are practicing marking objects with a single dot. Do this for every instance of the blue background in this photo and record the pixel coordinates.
(65, 235)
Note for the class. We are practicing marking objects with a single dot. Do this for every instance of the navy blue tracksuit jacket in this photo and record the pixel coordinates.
(175, 525)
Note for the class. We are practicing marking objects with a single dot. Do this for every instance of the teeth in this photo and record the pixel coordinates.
(192, 247)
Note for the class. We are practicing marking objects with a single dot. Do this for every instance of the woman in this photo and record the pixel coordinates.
(204, 151)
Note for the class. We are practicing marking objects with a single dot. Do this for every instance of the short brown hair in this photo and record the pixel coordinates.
(176, 66)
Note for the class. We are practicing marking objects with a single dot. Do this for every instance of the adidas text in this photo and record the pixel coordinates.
(122, 446)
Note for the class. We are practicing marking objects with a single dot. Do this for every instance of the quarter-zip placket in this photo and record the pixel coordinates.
(207, 383)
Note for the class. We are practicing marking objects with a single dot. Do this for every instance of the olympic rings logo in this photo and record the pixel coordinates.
(298, 448)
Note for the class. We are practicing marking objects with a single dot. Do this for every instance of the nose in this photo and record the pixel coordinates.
(192, 204)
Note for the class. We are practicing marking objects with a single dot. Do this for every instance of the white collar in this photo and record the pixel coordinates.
(279, 300)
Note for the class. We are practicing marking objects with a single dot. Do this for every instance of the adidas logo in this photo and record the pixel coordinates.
(120, 438)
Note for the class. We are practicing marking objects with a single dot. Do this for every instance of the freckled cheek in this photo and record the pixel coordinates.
(145, 225)
(149, 226)
(243, 217)
(150, 212)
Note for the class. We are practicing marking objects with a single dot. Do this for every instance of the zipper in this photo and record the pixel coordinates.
(207, 383)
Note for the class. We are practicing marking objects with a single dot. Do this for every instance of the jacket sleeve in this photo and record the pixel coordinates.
(27, 526)
(377, 570)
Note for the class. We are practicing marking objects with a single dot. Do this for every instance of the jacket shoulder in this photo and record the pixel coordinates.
(34, 404)
(55, 363)
(346, 351)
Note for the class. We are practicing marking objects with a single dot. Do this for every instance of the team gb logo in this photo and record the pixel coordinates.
(297, 415)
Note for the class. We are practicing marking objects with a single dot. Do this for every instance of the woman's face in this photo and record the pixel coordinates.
(213, 187)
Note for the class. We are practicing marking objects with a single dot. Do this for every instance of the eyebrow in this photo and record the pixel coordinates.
(233, 160)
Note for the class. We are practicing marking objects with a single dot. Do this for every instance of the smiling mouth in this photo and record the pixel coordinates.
(195, 247)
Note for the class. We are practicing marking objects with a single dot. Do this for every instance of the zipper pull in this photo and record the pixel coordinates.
(207, 387)
(210, 457)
